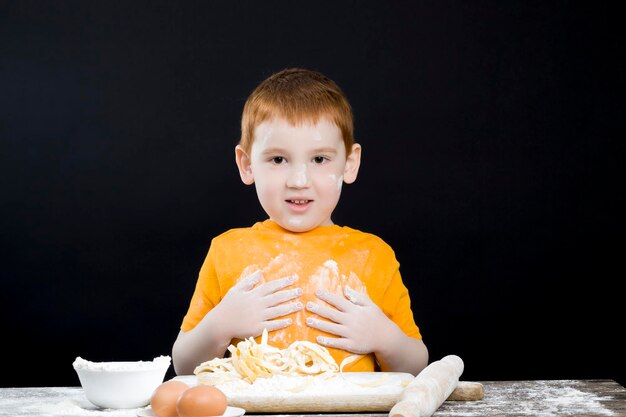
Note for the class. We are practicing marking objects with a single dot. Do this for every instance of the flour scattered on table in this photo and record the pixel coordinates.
(80, 408)
(546, 398)
(69, 402)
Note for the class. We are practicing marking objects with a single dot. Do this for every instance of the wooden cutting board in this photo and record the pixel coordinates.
(349, 392)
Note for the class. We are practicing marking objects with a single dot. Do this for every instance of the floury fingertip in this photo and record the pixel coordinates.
(350, 294)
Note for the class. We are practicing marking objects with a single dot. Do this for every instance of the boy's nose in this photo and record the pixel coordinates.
(298, 177)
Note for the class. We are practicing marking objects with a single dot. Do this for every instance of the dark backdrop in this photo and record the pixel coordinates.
(493, 136)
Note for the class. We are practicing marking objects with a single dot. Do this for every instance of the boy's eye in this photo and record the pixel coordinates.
(278, 160)
(319, 159)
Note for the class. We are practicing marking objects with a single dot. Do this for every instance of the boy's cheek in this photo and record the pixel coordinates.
(335, 181)
(269, 175)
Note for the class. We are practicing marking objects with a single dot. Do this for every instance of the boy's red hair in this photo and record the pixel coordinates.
(297, 95)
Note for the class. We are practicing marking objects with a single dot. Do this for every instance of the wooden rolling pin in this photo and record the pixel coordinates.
(467, 391)
(431, 387)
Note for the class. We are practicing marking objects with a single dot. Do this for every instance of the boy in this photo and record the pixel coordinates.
(297, 274)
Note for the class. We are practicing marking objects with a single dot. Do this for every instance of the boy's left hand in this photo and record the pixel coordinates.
(359, 324)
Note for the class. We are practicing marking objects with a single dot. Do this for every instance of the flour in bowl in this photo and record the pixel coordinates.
(158, 362)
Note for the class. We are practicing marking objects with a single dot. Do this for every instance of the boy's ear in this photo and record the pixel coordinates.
(353, 161)
(244, 164)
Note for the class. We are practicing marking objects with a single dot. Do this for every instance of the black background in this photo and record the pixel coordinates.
(493, 150)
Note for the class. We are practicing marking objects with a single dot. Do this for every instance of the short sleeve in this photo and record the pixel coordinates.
(206, 294)
(397, 306)
(390, 293)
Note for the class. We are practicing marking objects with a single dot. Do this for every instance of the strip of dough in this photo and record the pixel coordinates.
(430, 388)
(250, 360)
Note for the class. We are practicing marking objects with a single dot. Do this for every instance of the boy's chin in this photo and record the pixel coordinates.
(297, 225)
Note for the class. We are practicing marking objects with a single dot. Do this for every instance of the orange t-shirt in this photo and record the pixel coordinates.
(328, 257)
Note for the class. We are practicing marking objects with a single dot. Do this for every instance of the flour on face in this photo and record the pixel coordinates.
(337, 180)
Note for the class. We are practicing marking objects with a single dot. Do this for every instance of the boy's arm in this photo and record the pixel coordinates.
(200, 344)
(401, 353)
(246, 310)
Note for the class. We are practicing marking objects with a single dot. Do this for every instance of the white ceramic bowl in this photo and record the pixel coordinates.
(121, 384)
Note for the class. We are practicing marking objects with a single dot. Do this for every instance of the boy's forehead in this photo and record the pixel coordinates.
(281, 129)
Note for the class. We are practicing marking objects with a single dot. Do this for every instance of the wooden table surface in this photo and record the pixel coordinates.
(502, 398)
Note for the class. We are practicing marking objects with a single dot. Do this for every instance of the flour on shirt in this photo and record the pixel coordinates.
(327, 276)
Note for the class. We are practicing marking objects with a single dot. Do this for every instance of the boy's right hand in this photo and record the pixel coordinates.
(248, 308)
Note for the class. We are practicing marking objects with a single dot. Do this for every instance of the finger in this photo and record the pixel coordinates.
(326, 326)
(272, 325)
(250, 281)
(327, 312)
(356, 297)
(340, 343)
(334, 342)
(282, 310)
(282, 296)
(338, 301)
(275, 285)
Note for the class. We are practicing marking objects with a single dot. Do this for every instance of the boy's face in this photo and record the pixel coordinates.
(298, 171)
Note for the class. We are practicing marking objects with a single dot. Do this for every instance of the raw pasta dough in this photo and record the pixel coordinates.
(250, 360)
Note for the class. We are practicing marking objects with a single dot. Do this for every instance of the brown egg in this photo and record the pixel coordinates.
(164, 397)
(201, 401)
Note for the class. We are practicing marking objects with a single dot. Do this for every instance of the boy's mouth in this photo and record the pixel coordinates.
(299, 202)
